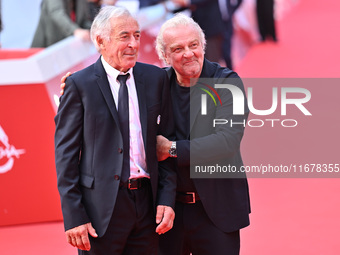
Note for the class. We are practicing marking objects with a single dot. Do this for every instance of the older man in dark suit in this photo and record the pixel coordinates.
(209, 211)
(109, 179)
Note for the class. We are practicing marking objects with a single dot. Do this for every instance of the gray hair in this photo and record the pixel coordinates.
(101, 25)
(178, 20)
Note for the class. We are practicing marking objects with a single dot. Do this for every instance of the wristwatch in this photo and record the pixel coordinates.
(173, 150)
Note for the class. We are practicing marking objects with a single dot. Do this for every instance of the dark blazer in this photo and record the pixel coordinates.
(88, 143)
(208, 15)
(226, 201)
(146, 3)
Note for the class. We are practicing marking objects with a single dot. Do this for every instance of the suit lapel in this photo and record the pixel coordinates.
(104, 86)
(141, 94)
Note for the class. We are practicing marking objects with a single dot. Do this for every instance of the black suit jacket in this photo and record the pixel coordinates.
(88, 142)
(226, 201)
(208, 15)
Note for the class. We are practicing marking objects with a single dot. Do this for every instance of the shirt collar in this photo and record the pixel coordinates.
(112, 72)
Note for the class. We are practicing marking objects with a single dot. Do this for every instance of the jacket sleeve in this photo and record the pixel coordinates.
(68, 141)
(167, 172)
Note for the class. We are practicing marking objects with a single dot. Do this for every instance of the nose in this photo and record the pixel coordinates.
(133, 43)
(188, 53)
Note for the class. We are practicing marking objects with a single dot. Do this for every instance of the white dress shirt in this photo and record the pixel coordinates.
(138, 167)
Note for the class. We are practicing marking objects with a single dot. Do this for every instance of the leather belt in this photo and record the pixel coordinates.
(187, 197)
(136, 183)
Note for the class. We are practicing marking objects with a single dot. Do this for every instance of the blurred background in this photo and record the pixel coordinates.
(298, 216)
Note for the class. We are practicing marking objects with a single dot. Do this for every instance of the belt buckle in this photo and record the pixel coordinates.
(193, 197)
(131, 185)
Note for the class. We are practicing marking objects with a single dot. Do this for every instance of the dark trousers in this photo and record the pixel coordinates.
(227, 43)
(132, 227)
(213, 51)
(193, 232)
(219, 46)
(265, 19)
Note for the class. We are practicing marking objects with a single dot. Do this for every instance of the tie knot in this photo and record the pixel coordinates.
(122, 78)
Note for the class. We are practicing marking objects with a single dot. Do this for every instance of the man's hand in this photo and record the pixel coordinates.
(62, 85)
(78, 236)
(83, 34)
(163, 147)
(165, 218)
(183, 3)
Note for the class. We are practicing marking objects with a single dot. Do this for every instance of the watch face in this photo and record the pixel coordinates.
(172, 152)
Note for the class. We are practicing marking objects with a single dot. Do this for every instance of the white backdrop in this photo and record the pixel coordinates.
(19, 18)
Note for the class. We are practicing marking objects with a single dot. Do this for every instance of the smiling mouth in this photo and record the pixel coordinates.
(190, 62)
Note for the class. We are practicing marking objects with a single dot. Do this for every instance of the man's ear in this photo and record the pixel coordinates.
(165, 58)
(100, 42)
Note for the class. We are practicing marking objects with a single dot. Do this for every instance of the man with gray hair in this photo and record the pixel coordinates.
(115, 196)
(209, 211)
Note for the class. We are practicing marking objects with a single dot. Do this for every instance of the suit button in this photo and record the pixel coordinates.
(120, 150)
(117, 177)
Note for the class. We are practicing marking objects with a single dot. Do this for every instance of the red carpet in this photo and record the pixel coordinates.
(296, 216)
(289, 216)
(293, 217)
(308, 45)
(35, 239)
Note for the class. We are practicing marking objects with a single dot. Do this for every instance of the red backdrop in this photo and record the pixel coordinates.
(28, 189)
